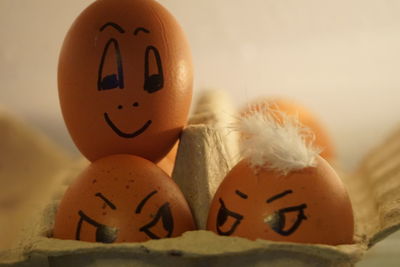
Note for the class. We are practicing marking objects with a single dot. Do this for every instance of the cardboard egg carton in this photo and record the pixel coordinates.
(207, 151)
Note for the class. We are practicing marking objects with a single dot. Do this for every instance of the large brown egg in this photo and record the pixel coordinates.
(125, 79)
(122, 198)
(308, 206)
(305, 116)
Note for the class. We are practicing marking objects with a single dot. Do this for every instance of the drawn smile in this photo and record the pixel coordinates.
(123, 134)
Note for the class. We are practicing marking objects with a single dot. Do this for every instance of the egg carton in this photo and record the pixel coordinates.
(207, 151)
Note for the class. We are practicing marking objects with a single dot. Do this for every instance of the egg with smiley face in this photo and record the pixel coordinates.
(122, 198)
(125, 79)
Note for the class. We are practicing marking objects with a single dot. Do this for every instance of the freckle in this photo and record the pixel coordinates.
(115, 178)
(104, 213)
(127, 186)
(131, 180)
(94, 181)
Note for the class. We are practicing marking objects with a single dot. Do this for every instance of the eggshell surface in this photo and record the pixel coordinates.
(122, 198)
(167, 164)
(125, 79)
(308, 206)
(306, 117)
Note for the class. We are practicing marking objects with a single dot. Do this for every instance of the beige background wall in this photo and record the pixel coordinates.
(340, 58)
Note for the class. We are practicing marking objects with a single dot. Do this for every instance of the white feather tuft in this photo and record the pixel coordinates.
(275, 140)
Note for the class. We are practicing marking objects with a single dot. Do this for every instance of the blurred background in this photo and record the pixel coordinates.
(338, 58)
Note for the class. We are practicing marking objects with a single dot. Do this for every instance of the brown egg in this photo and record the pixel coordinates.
(122, 198)
(306, 117)
(309, 205)
(167, 164)
(125, 79)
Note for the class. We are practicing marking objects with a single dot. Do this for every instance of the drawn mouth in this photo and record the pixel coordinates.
(123, 134)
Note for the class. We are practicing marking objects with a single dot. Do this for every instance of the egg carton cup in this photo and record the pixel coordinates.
(207, 151)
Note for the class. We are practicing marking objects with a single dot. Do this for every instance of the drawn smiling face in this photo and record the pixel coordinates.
(122, 198)
(303, 206)
(125, 79)
(152, 81)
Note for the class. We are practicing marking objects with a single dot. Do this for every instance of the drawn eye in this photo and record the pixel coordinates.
(111, 74)
(225, 225)
(104, 233)
(277, 220)
(153, 71)
(164, 214)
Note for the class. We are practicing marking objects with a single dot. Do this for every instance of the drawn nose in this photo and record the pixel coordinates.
(135, 104)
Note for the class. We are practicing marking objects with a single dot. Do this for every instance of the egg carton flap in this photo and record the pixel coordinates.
(29, 161)
(196, 247)
(380, 175)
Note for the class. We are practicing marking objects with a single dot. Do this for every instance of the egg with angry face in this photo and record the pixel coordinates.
(282, 189)
(122, 198)
(125, 79)
(308, 206)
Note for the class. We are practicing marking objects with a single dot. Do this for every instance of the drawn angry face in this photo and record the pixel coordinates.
(122, 198)
(308, 206)
(125, 79)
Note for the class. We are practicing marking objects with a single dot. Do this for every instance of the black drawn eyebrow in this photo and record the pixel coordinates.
(108, 202)
(141, 204)
(114, 25)
(241, 194)
(280, 195)
(140, 29)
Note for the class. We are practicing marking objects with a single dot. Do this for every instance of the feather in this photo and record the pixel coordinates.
(275, 140)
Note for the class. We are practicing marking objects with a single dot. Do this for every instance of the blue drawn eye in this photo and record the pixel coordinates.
(109, 82)
(116, 79)
(153, 81)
